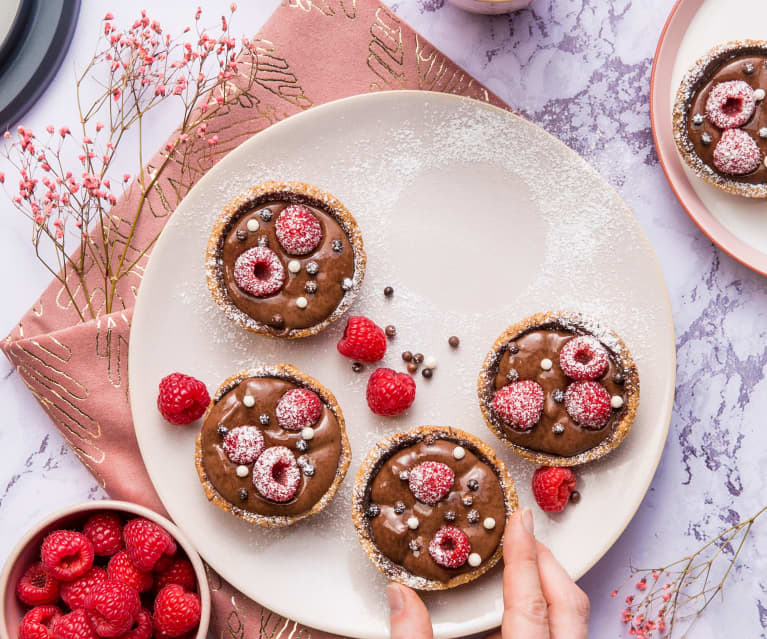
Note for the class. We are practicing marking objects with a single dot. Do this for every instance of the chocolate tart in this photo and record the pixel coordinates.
(270, 274)
(400, 532)
(601, 373)
(698, 137)
(311, 461)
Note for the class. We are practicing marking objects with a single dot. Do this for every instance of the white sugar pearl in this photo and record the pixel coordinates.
(249, 401)
(252, 225)
(301, 302)
(307, 433)
(616, 401)
(413, 523)
(294, 266)
(546, 364)
(459, 452)
(430, 362)
(474, 560)
(242, 471)
(759, 94)
(489, 523)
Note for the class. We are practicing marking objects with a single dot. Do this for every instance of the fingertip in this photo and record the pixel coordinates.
(395, 598)
(409, 618)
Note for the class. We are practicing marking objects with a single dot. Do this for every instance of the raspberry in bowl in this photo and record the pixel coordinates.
(430, 506)
(559, 388)
(104, 568)
(285, 259)
(273, 447)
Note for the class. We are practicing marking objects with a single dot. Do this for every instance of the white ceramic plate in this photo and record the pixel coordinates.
(476, 218)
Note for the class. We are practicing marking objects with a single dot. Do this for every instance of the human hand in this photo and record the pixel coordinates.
(540, 600)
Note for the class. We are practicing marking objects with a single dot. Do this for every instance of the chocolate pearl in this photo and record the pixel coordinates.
(357, 367)
(311, 287)
(513, 348)
(748, 68)
(558, 429)
(412, 367)
(407, 356)
(414, 545)
(453, 341)
(418, 358)
(449, 516)
(399, 507)
(706, 139)
(575, 496)
(263, 240)
(308, 470)
(312, 268)
(391, 330)
(427, 373)
(302, 445)
(337, 246)
(404, 475)
(468, 500)
(618, 378)
(266, 215)
(264, 419)
(277, 321)
(473, 484)
(472, 517)
(388, 291)
(429, 441)
(242, 235)
(222, 430)
(698, 119)
(512, 375)
(372, 511)
(243, 494)
(558, 396)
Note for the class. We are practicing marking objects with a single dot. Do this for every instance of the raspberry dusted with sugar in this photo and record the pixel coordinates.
(121, 568)
(552, 487)
(298, 408)
(736, 153)
(519, 404)
(146, 543)
(588, 403)
(276, 474)
(182, 399)
(66, 554)
(179, 572)
(105, 530)
(450, 547)
(730, 104)
(431, 481)
(298, 230)
(583, 357)
(363, 340)
(243, 444)
(390, 393)
(258, 271)
(74, 625)
(36, 624)
(142, 627)
(75, 592)
(176, 611)
(36, 587)
(112, 607)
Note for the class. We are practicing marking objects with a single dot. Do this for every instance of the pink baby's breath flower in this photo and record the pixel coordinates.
(50, 129)
(99, 126)
(109, 16)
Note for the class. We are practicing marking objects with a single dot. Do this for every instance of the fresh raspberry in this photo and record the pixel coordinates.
(142, 626)
(112, 607)
(390, 393)
(182, 399)
(36, 587)
(67, 554)
(180, 572)
(736, 153)
(730, 104)
(36, 624)
(259, 271)
(583, 357)
(588, 403)
(276, 474)
(105, 530)
(519, 404)
(163, 563)
(450, 547)
(121, 568)
(298, 408)
(146, 542)
(74, 593)
(552, 487)
(363, 340)
(298, 230)
(74, 625)
(243, 444)
(176, 611)
(430, 481)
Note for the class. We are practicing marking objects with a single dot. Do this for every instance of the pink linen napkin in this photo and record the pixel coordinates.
(309, 52)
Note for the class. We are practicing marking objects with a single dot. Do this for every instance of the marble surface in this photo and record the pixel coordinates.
(580, 69)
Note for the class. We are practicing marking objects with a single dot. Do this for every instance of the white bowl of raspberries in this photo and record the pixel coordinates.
(104, 570)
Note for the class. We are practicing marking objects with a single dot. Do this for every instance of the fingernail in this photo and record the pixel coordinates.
(396, 600)
(527, 520)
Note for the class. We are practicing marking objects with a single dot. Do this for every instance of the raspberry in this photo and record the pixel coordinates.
(179, 572)
(730, 104)
(363, 340)
(519, 404)
(182, 399)
(552, 487)
(121, 568)
(163, 563)
(37, 622)
(258, 271)
(142, 626)
(298, 408)
(105, 530)
(75, 592)
(276, 474)
(146, 543)
(736, 153)
(390, 393)
(450, 547)
(176, 611)
(298, 230)
(36, 587)
(75, 625)
(243, 444)
(588, 403)
(67, 554)
(112, 607)
(583, 357)
(430, 481)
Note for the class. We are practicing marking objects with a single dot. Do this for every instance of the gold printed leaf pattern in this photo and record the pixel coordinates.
(347, 7)
(112, 346)
(437, 73)
(386, 54)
